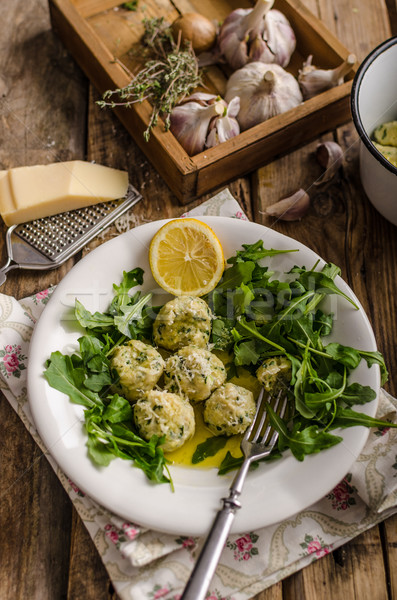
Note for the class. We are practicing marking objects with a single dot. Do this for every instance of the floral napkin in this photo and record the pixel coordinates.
(145, 564)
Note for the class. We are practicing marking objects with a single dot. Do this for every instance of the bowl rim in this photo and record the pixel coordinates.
(354, 101)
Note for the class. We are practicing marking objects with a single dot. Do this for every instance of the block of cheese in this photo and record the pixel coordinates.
(28, 193)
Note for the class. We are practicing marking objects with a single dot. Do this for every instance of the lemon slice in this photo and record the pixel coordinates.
(186, 257)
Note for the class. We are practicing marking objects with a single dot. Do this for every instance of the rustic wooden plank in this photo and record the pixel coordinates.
(360, 27)
(389, 531)
(88, 577)
(34, 517)
(346, 573)
(42, 119)
(275, 592)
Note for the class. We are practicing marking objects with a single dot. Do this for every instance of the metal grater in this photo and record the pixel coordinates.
(47, 243)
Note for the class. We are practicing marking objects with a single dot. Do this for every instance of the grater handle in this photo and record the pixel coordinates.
(4, 270)
(10, 264)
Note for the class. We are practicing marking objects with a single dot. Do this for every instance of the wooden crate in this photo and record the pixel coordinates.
(100, 35)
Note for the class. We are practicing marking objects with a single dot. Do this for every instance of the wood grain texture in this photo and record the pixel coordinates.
(47, 113)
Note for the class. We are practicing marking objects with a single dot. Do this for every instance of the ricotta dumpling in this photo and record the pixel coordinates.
(162, 413)
(274, 372)
(184, 321)
(194, 372)
(229, 410)
(138, 366)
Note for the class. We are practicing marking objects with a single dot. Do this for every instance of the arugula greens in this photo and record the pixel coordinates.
(87, 379)
(256, 316)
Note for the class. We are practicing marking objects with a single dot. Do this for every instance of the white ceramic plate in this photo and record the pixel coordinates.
(274, 491)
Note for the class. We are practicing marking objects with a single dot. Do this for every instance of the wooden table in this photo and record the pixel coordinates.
(47, 113)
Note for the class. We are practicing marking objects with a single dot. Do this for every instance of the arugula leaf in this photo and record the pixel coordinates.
(245, 353)
(350, 357)
(130, 279)
(208, 448)
(92, 321)
(308, 441)
(99, 452)
(97, 381)
(255, 252)
(376, 358)
(118, 409)
(317, 399)
(358, 394)
(322, 284)
(236, 275)
(322, 323)
(230, 463)
(65, 377)
(129, 314)
(346, 417)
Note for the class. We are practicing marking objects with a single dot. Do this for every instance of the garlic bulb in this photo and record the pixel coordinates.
(264, 91)
(314, 81)
(292, 208)
(225, 127)
(256, 34)
(204, 120)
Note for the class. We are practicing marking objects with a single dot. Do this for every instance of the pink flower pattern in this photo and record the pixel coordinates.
(42, 297)
(186, 542)
(342, 496)
(118, 536)
(76, 489)
(11, 361)
(314, 545)
(243, 548)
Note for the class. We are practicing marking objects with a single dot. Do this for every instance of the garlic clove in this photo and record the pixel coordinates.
(330, 156)
(259, 51)
(190, 123)
(201, 98)
(239, 29)
(279, 37)
(313, 81)
(225, 127)
(292, 208)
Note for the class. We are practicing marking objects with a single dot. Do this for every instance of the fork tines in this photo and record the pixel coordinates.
(255, 433)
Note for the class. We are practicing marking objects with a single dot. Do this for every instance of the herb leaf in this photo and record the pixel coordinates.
(208, 448)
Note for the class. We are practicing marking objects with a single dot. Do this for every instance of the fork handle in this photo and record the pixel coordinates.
(200, 578)
(211, 551)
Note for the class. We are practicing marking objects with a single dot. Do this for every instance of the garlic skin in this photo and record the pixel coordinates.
(292, 208)
(279, 39)
(190, 123)
(225, 127)
(313, 81)
(265, 90)
(202, 98)
(330, 156)
(204, 120)
(256, 34)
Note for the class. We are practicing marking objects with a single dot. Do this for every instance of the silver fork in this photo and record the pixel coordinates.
(254, 445)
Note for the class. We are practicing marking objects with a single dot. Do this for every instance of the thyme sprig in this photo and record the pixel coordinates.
(164, 81)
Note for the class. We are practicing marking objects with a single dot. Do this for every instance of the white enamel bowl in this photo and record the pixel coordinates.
(373, 102)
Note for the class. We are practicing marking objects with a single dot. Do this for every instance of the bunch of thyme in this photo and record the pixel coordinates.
(165, 80)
